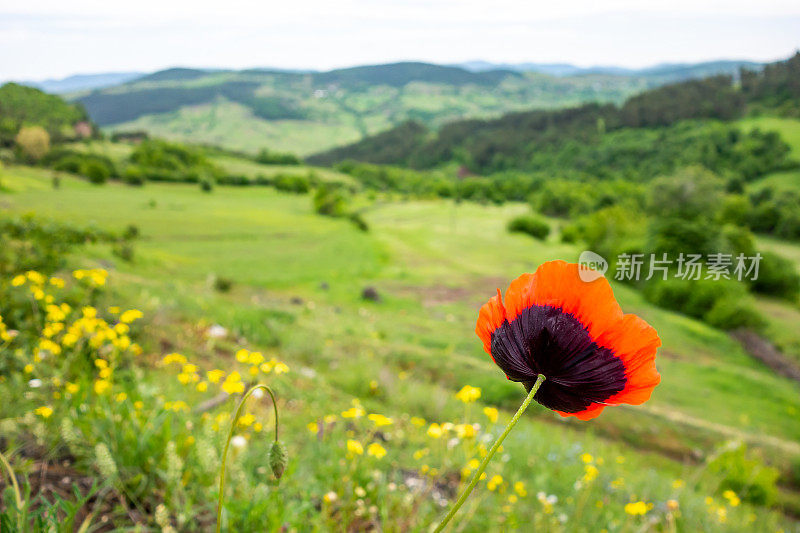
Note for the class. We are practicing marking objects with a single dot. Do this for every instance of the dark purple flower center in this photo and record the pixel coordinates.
(546, 340)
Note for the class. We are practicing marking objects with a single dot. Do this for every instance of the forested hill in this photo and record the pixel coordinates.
(171, 89)
(26, 106)
(307, 112)
(524, 140)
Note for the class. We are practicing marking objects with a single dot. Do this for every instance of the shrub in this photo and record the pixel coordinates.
(749, 478)
(131, 232)
(330, 201)
(732, 312)
(236, 180)
(70, 163)
(532, 225)
(222, 284)
(206, 185)
(735, 210)
(124, 251)
(96, 172)
(134, 175)
(358, 221)
(612, 231)
(777, 276)
(267, 157)
(695, 298)
(570, 233)
(33, 142)
(291, 183)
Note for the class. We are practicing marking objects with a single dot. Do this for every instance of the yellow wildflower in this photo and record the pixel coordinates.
(247, 420)
(495, 482)
(732, 498)
(491, 413)
(354, 447)
(376, 450)
(255, 358)
(130, 315)
(435, 431)
(353, 412)
(468, 394)
(638, 508)
(465, 431)
(380, 420)
(214, 376)
(101, 386)
(44, 411)
(591, 473)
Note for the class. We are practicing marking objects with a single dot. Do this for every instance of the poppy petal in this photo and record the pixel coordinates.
(490, 317)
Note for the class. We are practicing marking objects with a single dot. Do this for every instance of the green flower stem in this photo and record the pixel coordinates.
(236, 416)
(17, 494)
(477, 476)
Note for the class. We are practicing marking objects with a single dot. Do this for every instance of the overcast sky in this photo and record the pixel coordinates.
(48, 38)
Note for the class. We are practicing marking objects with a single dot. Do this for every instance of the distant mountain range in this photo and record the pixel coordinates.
(311, 111)
(671, 71)
(83, 82)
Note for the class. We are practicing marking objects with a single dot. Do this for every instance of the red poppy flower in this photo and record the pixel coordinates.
(575, 334)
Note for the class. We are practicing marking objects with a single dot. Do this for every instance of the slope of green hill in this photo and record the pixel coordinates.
(308, 112)
(520, 140)
(433, 263)
(25, 106)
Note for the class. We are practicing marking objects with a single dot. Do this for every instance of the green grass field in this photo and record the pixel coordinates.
(433, 263)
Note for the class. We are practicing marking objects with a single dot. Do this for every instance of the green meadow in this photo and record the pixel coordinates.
(296, 283)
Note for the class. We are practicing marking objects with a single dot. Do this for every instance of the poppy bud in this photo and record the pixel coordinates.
(278, 457)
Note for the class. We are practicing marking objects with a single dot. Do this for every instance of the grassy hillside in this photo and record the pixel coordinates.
(25, 106)
(296, 294)
(310, 112)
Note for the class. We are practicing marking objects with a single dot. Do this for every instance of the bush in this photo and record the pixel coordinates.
(532, 225)
(695, 298)
(358, 221)
(206, 185)
(612, 231)
(330, 201)
(292, 183)
(131, 232)
(749, 478)
(124, 251)
(33, 142)
(730, 313)
(738, 240)
(267, 157)
(96, 172)
(570, 233)
(134, 175)
(777, 276)
(235, 180)
(222, 284)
